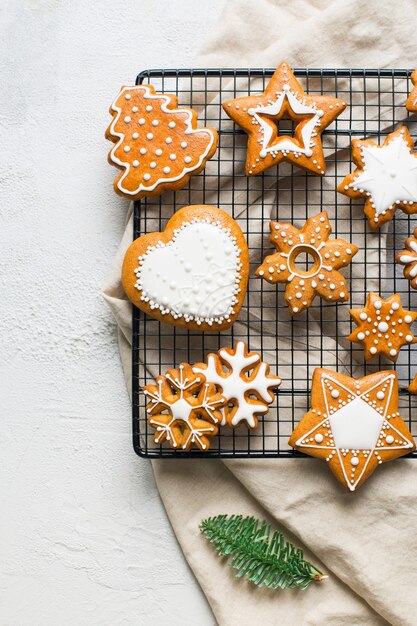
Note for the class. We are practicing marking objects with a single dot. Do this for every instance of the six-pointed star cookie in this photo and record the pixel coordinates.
(386, 175)
(259, 116)
(327, 257)
(411, 104)
(353, 424)
(383, 326)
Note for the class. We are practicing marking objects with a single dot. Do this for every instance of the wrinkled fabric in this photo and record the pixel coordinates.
(365, 542)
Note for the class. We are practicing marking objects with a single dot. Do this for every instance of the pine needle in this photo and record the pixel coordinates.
(257, 553)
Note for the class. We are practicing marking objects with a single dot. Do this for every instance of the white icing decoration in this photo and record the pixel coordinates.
(205, 294)
(236, 385)
(284, 143)
(389, 174)
(319, 438)
(187, 117)
(181, 410)
(355, 425)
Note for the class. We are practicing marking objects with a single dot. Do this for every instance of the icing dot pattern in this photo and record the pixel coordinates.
(383, 326)
(323, 279)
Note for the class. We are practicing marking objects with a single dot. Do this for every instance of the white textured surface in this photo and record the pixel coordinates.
(83, 536)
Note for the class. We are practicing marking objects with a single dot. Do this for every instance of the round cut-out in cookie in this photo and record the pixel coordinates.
(353, 424)
(193, 274)
(244, 379)
(383, 326)
(327, 255)
(408, 258)
(183, 409)
(260, 115)
(157, 145)
(386, 176)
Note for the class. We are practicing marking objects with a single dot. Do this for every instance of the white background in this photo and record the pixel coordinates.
(83, 536)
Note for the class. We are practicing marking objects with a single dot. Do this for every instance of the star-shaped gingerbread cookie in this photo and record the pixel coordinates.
(411, 103)
(386, 176)
(259, 117)
(353, 424)
(327, 256)
(383, 326)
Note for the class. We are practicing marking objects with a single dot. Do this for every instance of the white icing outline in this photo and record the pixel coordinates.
(164, 107)
(234, 284)
(287, 143)
(387, 160)
(325, 376)
(161, 428)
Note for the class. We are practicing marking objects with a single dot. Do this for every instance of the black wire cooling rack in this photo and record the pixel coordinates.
(317, 338)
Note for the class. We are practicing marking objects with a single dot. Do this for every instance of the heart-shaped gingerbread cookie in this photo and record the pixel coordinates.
(193, 274)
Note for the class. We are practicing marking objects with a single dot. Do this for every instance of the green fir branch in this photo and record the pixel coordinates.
(262, 556)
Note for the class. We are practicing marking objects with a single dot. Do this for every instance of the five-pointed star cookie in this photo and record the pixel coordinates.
(327, 255)
(353, 424)
(383, 326)
(259, 116)
(411, 104)
(386, 176)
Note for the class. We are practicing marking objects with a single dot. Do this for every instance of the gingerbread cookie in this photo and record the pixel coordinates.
(412, 388)
(411, 103)
(386, 176)
(328, 256)
(183, 408)
(408, 258)
(157, 145)
(193, 274)
(383, 326)
(353, 424)
(259, 117)
(245, 383)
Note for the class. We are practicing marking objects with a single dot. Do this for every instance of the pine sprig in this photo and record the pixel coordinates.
(267, 561)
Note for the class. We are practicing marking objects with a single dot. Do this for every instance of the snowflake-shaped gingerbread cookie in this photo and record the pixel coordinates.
(383, 326)
(327, 257)
(353, 424)
(386, 176)
(408, 258)
(157, 145)
(244, 380)
(184, 408)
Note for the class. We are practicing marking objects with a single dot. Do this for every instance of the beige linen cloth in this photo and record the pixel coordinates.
(365, 542)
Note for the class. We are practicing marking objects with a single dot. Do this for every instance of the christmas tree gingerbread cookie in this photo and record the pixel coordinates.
(386, 176)
(259, 116)
(183, 409)
(157, 145)
(244, 379)
(383, 326)
(194, 274)
(327, 255)
(353, 424)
